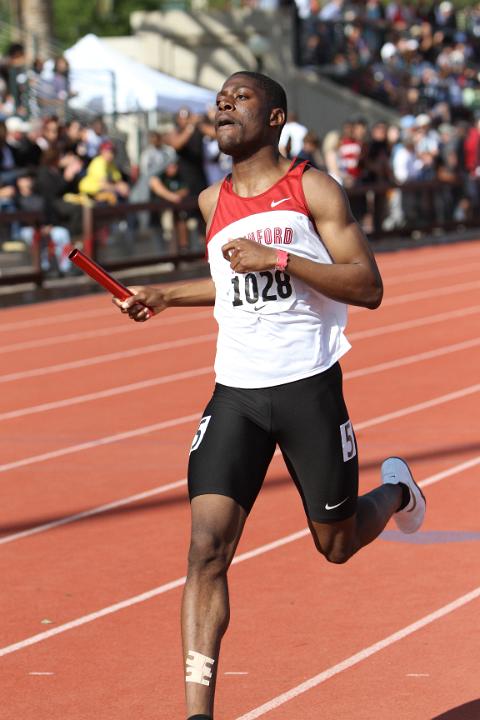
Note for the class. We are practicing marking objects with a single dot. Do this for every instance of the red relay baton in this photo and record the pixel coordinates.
(101, 276)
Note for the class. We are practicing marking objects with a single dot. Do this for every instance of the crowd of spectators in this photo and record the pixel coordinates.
(53, 167)
(418, 57)
(382, 164)
(53, 164)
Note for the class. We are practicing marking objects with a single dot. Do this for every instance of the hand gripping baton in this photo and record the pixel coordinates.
(101, 276)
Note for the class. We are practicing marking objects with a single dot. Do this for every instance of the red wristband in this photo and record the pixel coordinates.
(282, 260)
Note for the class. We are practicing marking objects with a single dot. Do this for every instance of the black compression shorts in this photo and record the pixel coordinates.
(308, 419)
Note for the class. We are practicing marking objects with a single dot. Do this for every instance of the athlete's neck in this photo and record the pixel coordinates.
(254, 174)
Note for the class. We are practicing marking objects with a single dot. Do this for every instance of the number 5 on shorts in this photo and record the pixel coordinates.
(200, 432)
(348, 441)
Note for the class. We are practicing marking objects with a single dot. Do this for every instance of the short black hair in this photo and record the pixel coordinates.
(274, 92)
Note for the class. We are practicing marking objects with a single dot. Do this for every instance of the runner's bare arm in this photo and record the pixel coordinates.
(353, 277)
(193, 294)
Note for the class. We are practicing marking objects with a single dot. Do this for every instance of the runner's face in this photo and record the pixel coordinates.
(242, 118)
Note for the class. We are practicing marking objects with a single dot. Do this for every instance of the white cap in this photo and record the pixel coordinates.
(445, 7)
(422, 120)
(388, 51)
(15, 124)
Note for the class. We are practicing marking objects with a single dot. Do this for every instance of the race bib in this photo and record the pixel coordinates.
(266, 292)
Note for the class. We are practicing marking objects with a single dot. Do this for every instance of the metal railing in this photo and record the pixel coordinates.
(137, 235)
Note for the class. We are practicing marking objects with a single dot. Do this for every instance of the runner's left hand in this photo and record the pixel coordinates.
(249, 256)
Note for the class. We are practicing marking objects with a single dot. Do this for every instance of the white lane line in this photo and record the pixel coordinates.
(82, 314)
(428, 274)
(248, 555)
(456, 395)
(67, 519)
(142, 597)
(115, 330)
(103, 312)
(144, 384)
(361, 655)
(99, 509)
(409, 324)
(427, 294)
(110, 357)
(52, 320)
(467, 465)
(127, 327)
(409, 260)
(111, 392)
(421, 295)
(118, 437)
(360, 335)
(428, 355)
(189, 418)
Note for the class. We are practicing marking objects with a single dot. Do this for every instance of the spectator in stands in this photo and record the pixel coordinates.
(399, 14)
(103, 180)
(57, 177)
(330, 147)
(407, 167)
(171, 185)
(61, 79)
(311, 151)
(374, 16)
(292, 136)
(377, 170)
(94, 136)
(216, 163)
(55, 242)
(426, 138)
(8, 165)
(472, 163)
(332, 11)
(50, 135)
(187, 140)
(351, 150)
(73, 142)
(443, 16)
(12, 64)
(448, 199)
(154, 159)
(26, 152)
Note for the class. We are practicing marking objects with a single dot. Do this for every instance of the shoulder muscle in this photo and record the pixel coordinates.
(207, 200)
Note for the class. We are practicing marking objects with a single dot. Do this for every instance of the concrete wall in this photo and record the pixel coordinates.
(204, 48)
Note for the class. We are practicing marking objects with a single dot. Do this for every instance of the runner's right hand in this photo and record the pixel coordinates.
(144, 301)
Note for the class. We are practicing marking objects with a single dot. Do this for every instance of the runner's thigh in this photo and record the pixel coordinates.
(232, 447)
(313, 430)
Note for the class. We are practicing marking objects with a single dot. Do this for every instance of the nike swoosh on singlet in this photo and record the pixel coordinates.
(259, 308)
(274, 203)
(332, 507)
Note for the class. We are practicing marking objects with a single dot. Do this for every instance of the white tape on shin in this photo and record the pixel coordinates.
(198, 668)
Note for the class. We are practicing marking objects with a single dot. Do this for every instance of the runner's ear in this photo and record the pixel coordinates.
(277, 117)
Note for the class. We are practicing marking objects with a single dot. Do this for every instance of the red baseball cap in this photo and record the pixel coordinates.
(107, 145)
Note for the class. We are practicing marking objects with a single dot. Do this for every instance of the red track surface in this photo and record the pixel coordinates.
(95, 410)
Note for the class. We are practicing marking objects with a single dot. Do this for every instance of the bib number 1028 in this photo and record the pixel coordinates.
(264, 286)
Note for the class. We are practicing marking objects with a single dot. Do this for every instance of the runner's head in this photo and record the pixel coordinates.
(251, 111)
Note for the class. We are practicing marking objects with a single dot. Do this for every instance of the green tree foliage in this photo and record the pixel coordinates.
(73, 19)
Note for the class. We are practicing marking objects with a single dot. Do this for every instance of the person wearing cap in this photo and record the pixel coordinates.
(426, 139)
(103, 180)
(444, 17)
(26, 152)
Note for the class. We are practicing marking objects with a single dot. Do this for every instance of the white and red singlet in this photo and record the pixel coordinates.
(273, 328)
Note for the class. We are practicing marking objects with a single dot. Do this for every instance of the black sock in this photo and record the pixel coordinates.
(405, 497)
(199, 717)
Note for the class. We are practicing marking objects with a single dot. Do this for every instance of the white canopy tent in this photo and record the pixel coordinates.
(106, 81)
